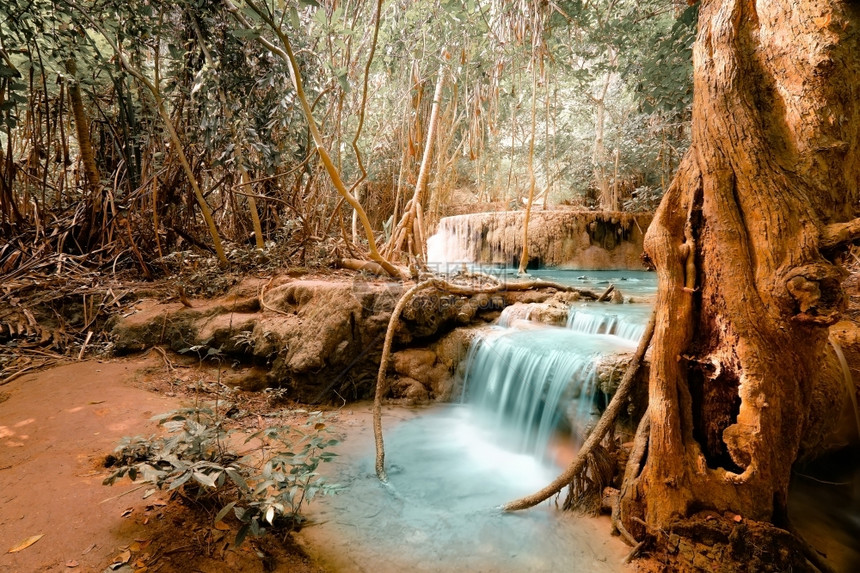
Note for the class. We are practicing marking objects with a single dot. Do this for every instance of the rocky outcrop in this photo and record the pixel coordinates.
(321, 339)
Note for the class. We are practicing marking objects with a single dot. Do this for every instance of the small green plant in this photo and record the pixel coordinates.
(264, 488)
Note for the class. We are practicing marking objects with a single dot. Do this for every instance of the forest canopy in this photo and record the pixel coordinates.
(152, 127)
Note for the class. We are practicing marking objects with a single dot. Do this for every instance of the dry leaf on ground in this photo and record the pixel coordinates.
(26, 543)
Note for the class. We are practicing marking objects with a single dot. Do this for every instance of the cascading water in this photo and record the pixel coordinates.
(450, 466)
(624, 321)
(522, 382)
(514, 312)
(567, 239)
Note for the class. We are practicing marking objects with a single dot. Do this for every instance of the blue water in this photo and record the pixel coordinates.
(641, 283)
(520, 383)
(451, 466)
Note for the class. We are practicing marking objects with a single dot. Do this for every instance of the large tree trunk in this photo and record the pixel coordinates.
(745, 245)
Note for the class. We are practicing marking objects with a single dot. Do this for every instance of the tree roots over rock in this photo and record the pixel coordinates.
(726, 543)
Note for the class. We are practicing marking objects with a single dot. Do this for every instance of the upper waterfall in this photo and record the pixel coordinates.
(562, 239)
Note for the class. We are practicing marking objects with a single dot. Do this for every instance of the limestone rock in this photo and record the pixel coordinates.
(421, 365)
(412, 390)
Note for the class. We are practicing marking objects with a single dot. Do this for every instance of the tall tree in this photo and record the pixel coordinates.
(746, 243)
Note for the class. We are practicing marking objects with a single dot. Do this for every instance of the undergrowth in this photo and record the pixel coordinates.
(265, 487)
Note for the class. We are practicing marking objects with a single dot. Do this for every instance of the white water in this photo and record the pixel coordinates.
(514, 312)
(521, 382)
(625, 321)
(439, 513)
(460, 239)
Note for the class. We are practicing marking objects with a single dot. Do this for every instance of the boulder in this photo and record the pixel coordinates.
(422, 365)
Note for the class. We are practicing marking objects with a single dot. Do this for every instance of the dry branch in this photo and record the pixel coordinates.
(295, 74)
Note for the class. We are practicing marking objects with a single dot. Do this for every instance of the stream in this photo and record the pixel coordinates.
(451, 466)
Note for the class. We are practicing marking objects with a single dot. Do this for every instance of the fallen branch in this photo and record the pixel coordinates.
(518, 286)
(811, 553)
(606, 293)
(84, 345)
(596, 436)
(369, 266)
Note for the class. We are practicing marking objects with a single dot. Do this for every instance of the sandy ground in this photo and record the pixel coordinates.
(56, 427)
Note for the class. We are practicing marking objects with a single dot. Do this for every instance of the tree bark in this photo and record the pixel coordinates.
(598, 158)
(745, 251)
(410, 225)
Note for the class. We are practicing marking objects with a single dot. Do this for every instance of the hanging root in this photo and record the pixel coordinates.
(585, 493)
(380, 379)
(381, 386)
(579, 466)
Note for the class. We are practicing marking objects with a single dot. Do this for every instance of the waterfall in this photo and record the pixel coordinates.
(624, 321)
(515, 312)
(522, 382)
(562, 239)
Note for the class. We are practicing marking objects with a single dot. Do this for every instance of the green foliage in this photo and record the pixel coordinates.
(667, 69)
(232, 101)
(265, 488)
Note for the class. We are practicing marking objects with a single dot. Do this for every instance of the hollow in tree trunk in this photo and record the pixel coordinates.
(746, 245)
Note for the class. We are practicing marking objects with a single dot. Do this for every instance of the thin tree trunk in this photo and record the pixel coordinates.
(598, 157)
(237, 147)
(85, 144)
(295, 73)
(524, 256)
(407, 226)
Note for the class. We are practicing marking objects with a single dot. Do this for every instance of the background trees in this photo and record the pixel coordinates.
(124, 123)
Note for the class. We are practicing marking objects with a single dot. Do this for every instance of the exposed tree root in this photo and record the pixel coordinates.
(579, 464)
(369, 266)
(263, 304)
(586, 491)
(380, 379)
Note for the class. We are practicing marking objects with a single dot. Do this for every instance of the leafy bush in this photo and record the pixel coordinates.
(265, 488)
